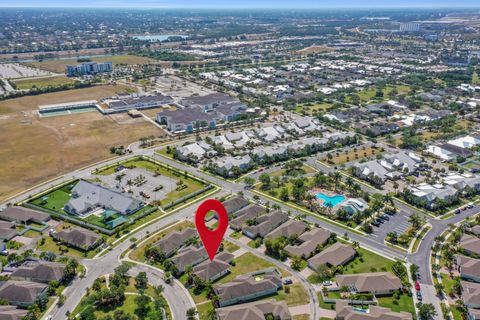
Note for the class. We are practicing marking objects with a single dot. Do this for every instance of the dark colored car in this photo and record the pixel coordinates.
(419, 296)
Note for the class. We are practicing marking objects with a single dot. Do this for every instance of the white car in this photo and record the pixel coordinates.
(327, 283)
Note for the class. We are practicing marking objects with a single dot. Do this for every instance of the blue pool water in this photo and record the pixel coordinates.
(330, 201)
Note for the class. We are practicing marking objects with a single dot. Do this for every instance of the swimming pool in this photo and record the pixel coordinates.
(330, 201)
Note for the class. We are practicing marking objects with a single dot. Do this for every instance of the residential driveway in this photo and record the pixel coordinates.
(303, 309)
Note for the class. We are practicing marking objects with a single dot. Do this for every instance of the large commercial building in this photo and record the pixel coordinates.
(89, 68)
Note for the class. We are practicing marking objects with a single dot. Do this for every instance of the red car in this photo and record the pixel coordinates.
(417, 286)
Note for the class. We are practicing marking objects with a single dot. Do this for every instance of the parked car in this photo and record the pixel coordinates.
(417, 286)
(379, 220)
(327, 283)
(287, 281)
(376, 224)
(419, 296)
(470, 206)
(457, 211)
(385, 217)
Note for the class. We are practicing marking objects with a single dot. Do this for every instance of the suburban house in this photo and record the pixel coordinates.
(234, 204)
(470, 245)
(265, 224)
(290, 228)
(344, 311)
(309, 242)
(39, 271)
(448, 151)
(12, 313)
(195, 152)
(269, 154)
(257, 310)
(88, 197)
(466, 142)
(175, 240)
(463, 181)
(242, 216)
(213, 270)
(376, 283)
(226, 165)
(21, 293)
(471, 294)
(23, 215)
(7, 230)
(338, 254)
(189, 256)
(429, 194)
(390, 166)
(468, 268)
(248, 287)
(371, 171)
(79, 238)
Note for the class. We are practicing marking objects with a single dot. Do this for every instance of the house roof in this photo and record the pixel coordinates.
(468, 266)
(209, 99)
(256, 310)
(41, 271)
(289, 228)
(175, 240)
(234, 204)
(12, 313)
(309, 242)
(456, 150)
(372, 167)
(370, 282)
(22, 292)
(208, 270)
(248, 284)
(470, 293)
(247, 213)
(346, 312)
(266, 223)
(78, 237)
(189, 256)
(336, 255)
(21, 214)
(87, 194)
(470, 243)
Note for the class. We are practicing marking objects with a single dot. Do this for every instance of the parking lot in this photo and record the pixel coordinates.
(179, 88)
(147, 185)
(398, 223)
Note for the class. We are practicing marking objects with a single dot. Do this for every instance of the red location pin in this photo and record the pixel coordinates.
(211, 238)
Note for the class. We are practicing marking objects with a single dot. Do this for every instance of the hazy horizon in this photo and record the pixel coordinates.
(246, 4)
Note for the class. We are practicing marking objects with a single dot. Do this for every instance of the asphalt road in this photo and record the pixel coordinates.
(105, 264)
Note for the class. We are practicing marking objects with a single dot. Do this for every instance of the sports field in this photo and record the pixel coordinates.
(34, 149)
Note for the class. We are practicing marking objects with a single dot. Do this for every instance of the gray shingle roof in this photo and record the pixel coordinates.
(309, 242)
(174, 240)
(21, 214)
(255, 311)
(336, 255)
(78, 237)
(21, 292)
(39, 271)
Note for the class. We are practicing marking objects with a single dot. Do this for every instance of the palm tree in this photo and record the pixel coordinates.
(349, 182)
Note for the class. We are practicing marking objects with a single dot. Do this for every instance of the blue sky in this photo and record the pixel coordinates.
(241, 4)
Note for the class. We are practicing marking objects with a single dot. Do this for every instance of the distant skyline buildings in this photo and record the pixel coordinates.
(220, 4)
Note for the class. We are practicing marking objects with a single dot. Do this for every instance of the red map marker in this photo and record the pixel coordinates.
(211, 238)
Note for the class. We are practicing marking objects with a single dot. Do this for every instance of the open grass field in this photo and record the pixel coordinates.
(351, 154)
(369, 94)
(60, 66)
(315, 49)
(33, 149)
(43, 82)
(312, 108)
(405, 303)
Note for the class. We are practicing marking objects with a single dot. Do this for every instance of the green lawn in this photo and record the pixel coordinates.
(311, 108)
(41, 82)
(405, 303)
(296, 297)
(32, 234)
(52, 246)
(368, 262)
(230, 247)
(323, 305)
(56, 199)
(248, 262)
(203, 309)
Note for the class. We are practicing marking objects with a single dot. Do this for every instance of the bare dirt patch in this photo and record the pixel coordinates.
(34, 149)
